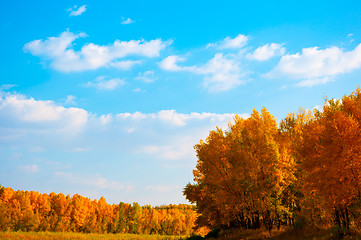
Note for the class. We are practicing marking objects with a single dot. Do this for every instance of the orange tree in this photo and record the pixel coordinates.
(331, 156)
(242, 174)
(31, 211)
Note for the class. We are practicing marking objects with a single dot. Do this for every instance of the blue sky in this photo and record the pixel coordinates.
(108, 98)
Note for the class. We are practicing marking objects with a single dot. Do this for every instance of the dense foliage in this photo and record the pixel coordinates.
(31, 211)
(306, 169)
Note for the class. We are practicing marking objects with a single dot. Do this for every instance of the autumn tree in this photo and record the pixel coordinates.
(60, 214)
(5, 211)
(241, 174)
(31, 211)
(298, 200)
(332, 154)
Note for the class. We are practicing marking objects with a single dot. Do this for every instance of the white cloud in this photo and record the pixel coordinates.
(147, 76)
(127, 21)
(125, 65)
(230, 43)
(30, 168)
(54, 47)
(314, 81)
(317, 66)
(170, 64)
(77, 12)
(62, 57)
(134, 116)
(350, 36)
(34, 120)
(174, 118)
(105, 119)
(267, 51)
(221, 73)
(101, 83)
(17, 111)
(70, 100)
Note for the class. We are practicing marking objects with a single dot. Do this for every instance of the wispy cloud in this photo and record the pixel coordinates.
(80, 149)
(127, 21)
(174, 118)
(317, 66)
(351, 37)
(125, 65)
(221, 73)
(314, 81)
(137, 90)
(101, 83)
(70, 100)
(267, 51)
(7, 86)
(231, 43)
(76, 11)
(59, 51)
(147, 76)
(30, 168)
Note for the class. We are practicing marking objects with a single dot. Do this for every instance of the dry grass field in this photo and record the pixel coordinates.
(81, 236)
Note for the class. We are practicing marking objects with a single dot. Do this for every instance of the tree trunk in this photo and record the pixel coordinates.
(337, 217)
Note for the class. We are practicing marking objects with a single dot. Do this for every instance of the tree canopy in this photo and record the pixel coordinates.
(258, 173)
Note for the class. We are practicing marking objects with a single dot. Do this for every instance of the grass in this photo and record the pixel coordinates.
(306, 233)
(285, 233)
(81, 236)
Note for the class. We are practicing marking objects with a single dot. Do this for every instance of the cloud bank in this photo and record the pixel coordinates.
(26, 118)
(60, 53)
(314, 66)
(20, 113)
(57, 141)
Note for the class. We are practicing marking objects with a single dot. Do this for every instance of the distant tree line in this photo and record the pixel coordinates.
(306, 169)
(31, 211)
